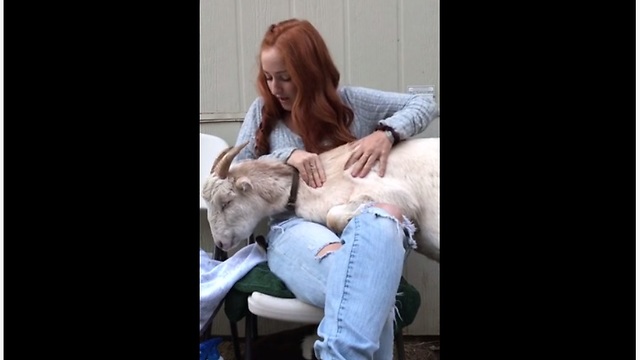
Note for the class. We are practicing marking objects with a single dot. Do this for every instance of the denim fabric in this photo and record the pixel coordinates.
(356, 285)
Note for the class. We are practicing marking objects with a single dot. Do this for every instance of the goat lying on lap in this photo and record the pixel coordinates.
(239, 196)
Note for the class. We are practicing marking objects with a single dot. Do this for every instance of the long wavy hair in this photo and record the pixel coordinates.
(317, 113)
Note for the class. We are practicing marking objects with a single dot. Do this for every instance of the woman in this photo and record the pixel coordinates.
(301, 112)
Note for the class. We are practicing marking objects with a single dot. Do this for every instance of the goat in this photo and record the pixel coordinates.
(239, 196)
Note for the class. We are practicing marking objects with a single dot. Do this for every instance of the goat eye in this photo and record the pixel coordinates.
(224, 205)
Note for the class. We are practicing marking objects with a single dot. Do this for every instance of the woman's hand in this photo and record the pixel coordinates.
(309, 167)
(368, 150)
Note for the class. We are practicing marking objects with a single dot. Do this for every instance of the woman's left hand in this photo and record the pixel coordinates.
(366, 151)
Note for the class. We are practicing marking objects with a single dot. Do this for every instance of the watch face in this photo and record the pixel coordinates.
(390, 136)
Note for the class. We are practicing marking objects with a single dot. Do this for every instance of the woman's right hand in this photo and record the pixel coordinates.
(309, 167)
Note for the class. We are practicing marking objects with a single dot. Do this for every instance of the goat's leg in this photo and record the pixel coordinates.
(426, 246)
(427, 237)
(339, 215)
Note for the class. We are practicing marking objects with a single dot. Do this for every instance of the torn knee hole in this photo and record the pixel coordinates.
(393, 210)
(329, 248)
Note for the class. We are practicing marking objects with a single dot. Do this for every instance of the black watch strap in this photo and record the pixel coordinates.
(396, 137)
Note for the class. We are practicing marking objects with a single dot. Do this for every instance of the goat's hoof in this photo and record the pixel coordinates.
(337, 225)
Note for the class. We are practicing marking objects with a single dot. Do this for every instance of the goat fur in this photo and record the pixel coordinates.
(240, 195)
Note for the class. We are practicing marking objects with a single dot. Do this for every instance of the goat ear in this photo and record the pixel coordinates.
(243, 184)
(206, 192)
(206, 196)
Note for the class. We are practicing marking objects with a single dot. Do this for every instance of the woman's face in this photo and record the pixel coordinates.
(278, 78)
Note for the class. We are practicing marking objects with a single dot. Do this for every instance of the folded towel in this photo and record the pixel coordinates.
(217, 277)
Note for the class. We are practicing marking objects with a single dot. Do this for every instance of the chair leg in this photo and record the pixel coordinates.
(235, 339)
(399, 340)
(206, 332)
(250, 333)
(254, 324)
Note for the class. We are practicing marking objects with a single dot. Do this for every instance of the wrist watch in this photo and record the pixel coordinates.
(390, 133)
(390, 137)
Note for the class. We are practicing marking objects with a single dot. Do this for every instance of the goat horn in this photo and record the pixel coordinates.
(222, 167)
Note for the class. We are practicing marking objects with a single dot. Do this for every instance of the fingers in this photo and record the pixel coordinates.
(358, 166)
(366, 152)
(309, 167)
(365, 162)
(321, 176)
(383, 163)
(357, 159)
(352, 159)
(364, 165)
(355, 154)
(314, 174)
(362, 162)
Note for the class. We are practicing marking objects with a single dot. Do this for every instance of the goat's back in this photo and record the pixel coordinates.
(413, 168)
(405, 156)
(411, 180)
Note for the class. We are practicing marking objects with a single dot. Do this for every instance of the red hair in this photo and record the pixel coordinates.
(317, 112)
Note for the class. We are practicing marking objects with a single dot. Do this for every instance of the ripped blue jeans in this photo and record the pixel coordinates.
(356, 285)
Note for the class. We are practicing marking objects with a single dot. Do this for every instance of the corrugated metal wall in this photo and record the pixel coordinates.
(384, 44)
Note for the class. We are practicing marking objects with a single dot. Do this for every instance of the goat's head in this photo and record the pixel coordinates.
(233, 207)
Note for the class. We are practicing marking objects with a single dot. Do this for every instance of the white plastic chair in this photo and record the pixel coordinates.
(291, 310)
(210, 147)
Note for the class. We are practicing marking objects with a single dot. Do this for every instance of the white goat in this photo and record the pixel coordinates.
(239, 196)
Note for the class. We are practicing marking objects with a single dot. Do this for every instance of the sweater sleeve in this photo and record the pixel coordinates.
(407, 114)
(281, 146)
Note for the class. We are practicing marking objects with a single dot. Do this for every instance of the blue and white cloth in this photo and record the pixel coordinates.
(218, 277)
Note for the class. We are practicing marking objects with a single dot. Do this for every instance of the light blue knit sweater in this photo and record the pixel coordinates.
(407, 114)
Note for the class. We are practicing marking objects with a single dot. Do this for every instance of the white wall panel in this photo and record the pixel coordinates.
(420, 34)
(372, 35)
(219, 57)
(382, 44)
(329, 18)
(255, 17)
